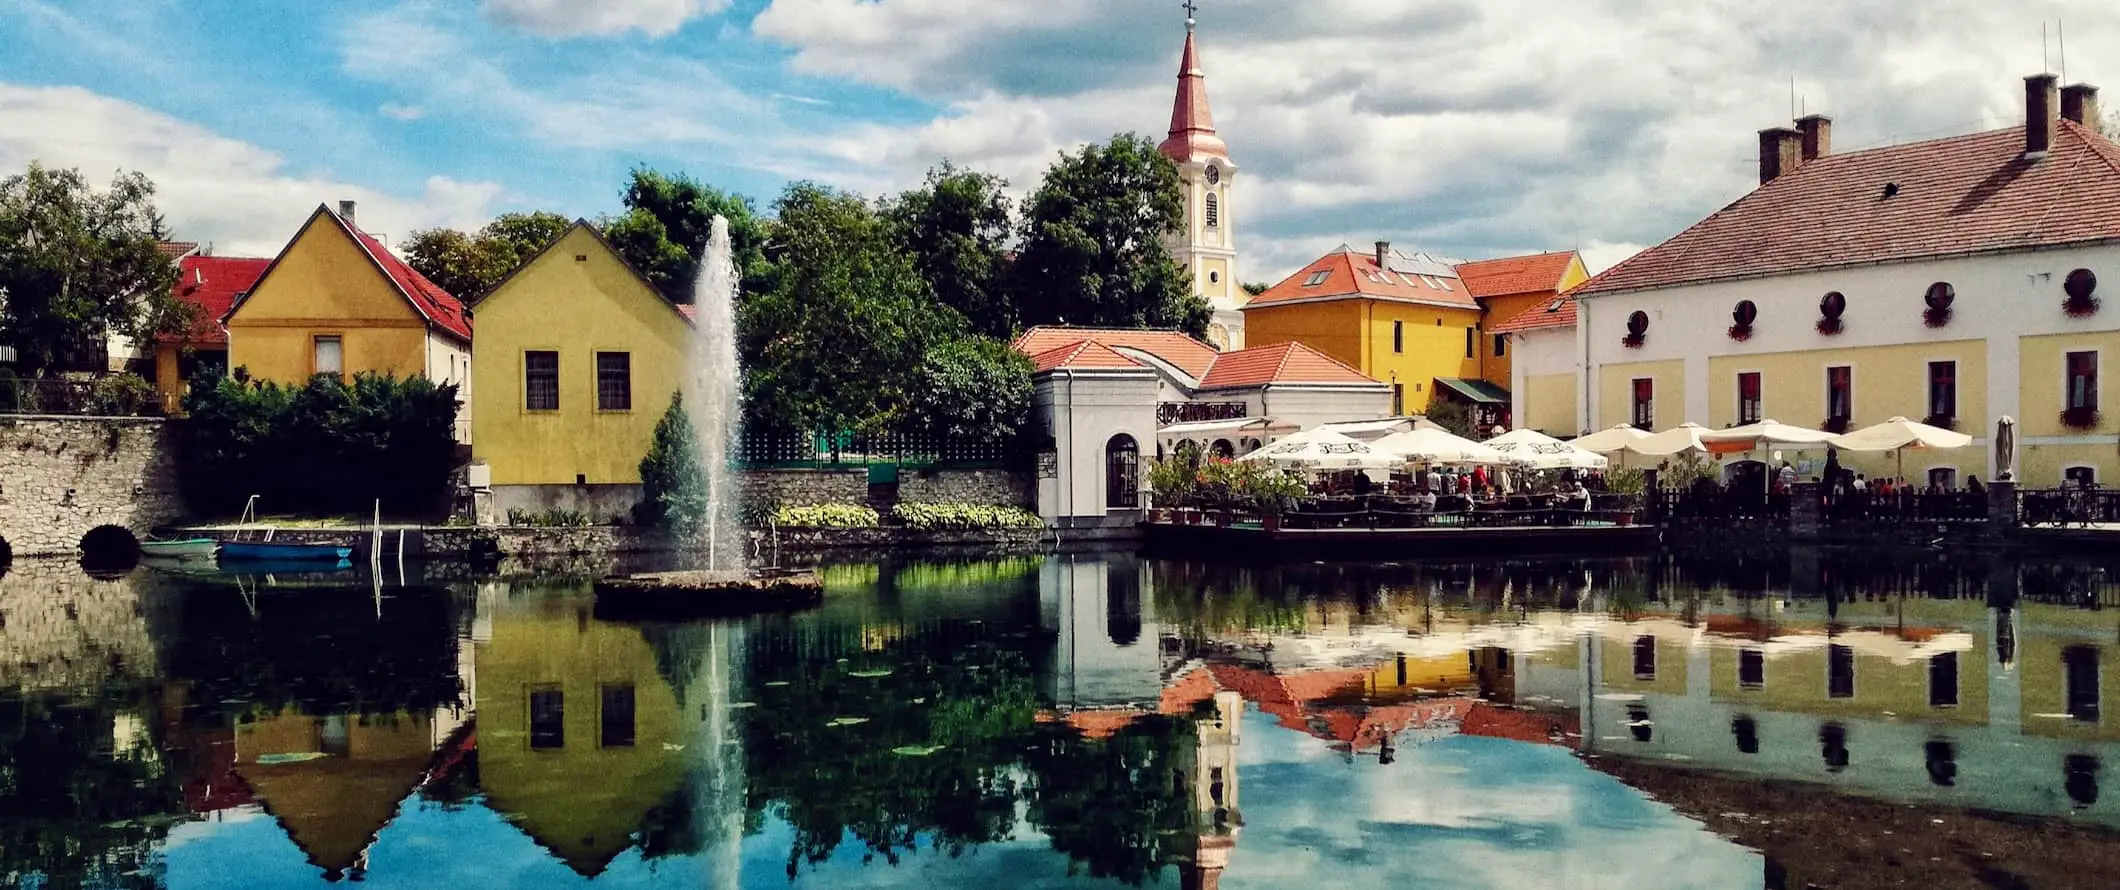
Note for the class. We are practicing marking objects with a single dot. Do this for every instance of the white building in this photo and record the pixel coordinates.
(1104, 394)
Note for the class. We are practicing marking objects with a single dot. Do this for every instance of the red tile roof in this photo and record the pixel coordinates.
(1352, 274)
(1508, 276)
(437, 305)
(1280, 363)
(212, 283)
(1183, 352)
(1956, 196)
(1080, 354)
(1192, 125)
(1558, 312)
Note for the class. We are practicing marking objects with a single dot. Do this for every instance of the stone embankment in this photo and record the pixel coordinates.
(63, 476)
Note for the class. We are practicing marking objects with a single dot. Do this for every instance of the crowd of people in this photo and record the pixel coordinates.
(1448, 487)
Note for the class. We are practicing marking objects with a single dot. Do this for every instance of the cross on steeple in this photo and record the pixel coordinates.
(1191, 7)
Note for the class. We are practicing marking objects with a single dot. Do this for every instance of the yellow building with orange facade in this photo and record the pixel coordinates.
(336, 301)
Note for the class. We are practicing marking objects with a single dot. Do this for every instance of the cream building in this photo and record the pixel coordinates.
(1954, 280)
(1207, 245)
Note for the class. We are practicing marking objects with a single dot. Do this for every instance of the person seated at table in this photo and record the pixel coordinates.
(1424, 502)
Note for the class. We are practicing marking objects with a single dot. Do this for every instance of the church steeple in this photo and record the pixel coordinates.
(1192, 125)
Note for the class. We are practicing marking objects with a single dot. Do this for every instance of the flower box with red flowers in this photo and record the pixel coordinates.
(2080, 307)
(1740, 332)
(1941, 421)
(1935, 318)
(1835, 425)
(2080, 418)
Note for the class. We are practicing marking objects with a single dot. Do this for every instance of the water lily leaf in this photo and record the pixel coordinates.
(879, 672)
(915, 750)
(776, 682)
(304, 757)
(847, 721)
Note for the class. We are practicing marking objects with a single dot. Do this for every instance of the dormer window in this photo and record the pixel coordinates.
(1318, 278)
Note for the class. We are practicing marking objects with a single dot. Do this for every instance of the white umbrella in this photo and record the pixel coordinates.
(1323, 449)
(1543, 452)
(1438, 446)
(1899, 434)
(1767, 433)
(1609, 441)
(1676, 440)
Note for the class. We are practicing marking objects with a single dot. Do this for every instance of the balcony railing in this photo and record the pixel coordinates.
(1169, 413)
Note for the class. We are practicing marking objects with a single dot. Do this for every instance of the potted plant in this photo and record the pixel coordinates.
(1271, 492)
(1170, 483)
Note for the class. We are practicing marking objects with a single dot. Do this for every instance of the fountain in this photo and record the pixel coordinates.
(713, 402)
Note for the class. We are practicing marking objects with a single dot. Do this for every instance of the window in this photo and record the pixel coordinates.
(1472, 339)
(1317, 278)
(541, 381)
(1746, 730)
(614, 381)
(1214, 211)
(1943, 680)
(1840, 392)
(615, 719)
(1645, 658)
(1501, 345)
(330, 355)
(1122, 473)
(548, 719)
(1398, 337)
(1840, 671)
(1398, 400)
(2080, 477)
(2079, 668)
(1748, 397)
(2082, 381)
(1644, 403)
(1751, 668)
(1943, 389)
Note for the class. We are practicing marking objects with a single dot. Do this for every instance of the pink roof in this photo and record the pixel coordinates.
(1289, 362)
(1944, 197)
(1558, 312)
(1192, 125)
(212, 284)
(1508, 276)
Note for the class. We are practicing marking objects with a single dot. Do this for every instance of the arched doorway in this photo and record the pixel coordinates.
(1122, 473)
(108, 549)
(1224, 449)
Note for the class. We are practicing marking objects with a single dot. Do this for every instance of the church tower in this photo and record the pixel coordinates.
(1206, 245)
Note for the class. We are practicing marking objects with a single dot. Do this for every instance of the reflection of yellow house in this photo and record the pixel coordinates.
(1862, 673)
(333, 782)
(579, 356)
(579, 735)
(2064, 687)
(337, 301)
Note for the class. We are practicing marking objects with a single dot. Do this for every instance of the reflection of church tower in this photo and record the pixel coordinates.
(1206, 245)
(1217, 816)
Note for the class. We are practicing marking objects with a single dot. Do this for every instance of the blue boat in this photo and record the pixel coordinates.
(270, 551)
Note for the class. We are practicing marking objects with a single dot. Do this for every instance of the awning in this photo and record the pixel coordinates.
(1474, 390)
(1210, 427)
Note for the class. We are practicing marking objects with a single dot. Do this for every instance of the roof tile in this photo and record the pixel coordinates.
(1352, 274)
(436, 304)
(1558, 312)
(212, 283)
(1289, 362)
(1509, 276)
(1183, 352)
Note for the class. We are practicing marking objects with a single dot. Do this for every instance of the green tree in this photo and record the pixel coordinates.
(1453, 416)
(1256, 288)
(77, 265)
(664, 230)
(976, 389)
(1092, 243)
(673, 484)
(377, 438)
(837, 343)
(957, 226)
(468, 265)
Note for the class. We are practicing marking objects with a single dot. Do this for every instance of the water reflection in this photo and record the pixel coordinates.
(1059, 721)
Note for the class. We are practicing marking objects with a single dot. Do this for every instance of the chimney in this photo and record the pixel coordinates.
(346, 212)
(2042, 108)
(1780, 153)
(1817, 131)
(1383, 255)
(2079, 103)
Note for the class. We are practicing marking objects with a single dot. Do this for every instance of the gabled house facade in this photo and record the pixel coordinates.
(579, 357)
(336, 301)
(210, 285)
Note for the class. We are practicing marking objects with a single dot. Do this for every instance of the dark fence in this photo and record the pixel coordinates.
(2068, 506)
(61, 396)
(847, 450)
(1382, 512)
(1897, 507)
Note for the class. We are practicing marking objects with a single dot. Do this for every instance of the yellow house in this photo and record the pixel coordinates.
(581, 356)
(1510, 286)
(335, 781)
(336, 301)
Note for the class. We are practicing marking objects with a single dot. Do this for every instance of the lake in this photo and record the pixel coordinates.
(1073, 720)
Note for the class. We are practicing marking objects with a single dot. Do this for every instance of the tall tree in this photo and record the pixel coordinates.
(77, 265)
(664, 231)
(837, 343)
(957, 225)
(1092, 250)
(468, 265)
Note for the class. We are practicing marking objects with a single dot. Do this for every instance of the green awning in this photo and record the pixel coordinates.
(1475, 391)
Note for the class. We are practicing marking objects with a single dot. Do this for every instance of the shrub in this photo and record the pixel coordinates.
(673, 485)
(977, 389)
(928, 517)
(827, 516)
(553, 518)
(1625, 480)
(121, 395)
(326, 446)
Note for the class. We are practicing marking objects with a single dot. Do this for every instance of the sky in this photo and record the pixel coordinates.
(1471, 128)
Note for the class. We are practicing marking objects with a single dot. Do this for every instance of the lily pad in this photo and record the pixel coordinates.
(871, 674)
(742, 704)
(915, 750)
(776, 682)
(847, 721)
(305, 757)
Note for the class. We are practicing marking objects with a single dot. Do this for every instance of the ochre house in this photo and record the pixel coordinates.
(336, 301)
(1955, 280)
(579, 357)
(1414, 321)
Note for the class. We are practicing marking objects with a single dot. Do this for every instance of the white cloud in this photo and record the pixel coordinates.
(211, 188)
(397, 112)
(573, 18)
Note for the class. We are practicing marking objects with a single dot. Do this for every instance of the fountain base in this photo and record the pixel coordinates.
(706, 594)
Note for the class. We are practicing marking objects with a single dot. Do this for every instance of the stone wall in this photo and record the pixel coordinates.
(809, 487)
(1009, 487)
(61, 476)
(789, 488)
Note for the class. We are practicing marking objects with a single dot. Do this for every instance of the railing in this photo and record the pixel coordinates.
(848, 450)
(1956, 506)
(1168, 413)
(2068, 506)
(1718, 504)
(54, 395)
(1380, 512)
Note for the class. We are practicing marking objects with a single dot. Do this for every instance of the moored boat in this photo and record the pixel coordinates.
(290, 551)
(189, 548)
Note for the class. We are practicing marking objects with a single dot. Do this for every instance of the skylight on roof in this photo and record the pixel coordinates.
(1318, 277)
(1555, 306)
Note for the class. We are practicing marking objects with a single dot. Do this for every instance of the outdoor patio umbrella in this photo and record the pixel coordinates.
(1764, 434)
(1680, 439)
(1897, 435)
(1609, 441)
(1323, 449)
(1539, 451)
(1437, 446)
